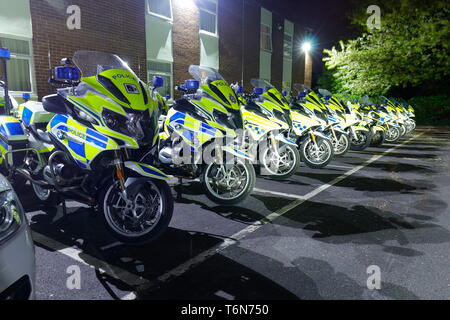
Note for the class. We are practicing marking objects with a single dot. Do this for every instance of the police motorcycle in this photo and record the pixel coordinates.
(408, 113)
(267, 123)
(86, 143)
(393, 128)
(308, 124)
(342, 129)
(199, 138)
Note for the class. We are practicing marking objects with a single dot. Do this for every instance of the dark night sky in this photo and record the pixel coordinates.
(327, 19)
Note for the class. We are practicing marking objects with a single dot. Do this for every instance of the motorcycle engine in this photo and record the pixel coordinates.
(62, 171)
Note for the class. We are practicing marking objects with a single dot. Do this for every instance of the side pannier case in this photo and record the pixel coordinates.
(12, 137)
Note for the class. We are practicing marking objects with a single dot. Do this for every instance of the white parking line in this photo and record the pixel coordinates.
(83, 258)
(280, 194)
(186, 266)
(135, 280)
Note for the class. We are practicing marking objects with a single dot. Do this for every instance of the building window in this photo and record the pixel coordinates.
(160, 8)
(266, 37)
(20, 65)
(208, 16)
(162, 69)
(287, 47)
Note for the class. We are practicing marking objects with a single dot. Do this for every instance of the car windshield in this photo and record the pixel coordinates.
(204, 74)
(91, 63)
(261, 83)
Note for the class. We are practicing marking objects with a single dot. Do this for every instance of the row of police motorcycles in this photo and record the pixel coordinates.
(110, 141)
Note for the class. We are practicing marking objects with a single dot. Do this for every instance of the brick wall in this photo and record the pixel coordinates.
(106, 25)
(186, 41)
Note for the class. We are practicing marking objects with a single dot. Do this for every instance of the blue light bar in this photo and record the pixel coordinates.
(192, 84)
(67, 73)
(258, 91)
(5, 53)
(158, 82)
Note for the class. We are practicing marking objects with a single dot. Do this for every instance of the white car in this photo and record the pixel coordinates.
(17, 261)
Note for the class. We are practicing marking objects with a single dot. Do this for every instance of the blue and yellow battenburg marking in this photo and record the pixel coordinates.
(146, 170)
(10, 130)
(194, 132)
(83, 143)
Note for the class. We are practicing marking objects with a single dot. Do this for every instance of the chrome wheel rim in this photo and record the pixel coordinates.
(133, 215)
(341, 145)
(281, 162)
(227, 182)
(317, 154)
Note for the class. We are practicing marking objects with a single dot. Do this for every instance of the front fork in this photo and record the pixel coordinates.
(120, 174)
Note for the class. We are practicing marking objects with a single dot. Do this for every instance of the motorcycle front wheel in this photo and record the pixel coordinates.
(316, 156)
(392, 135)
(377, 139)
(282, 164)
(362, 142)
(228, 184)
(342, 145)
(139, 215)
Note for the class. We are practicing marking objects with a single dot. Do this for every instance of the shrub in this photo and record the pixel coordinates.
(432, 110)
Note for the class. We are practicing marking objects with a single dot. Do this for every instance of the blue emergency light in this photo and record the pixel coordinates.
(5, 53)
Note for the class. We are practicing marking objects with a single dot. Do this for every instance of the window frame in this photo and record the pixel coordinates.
(29, 58)
(162, 73)
(147, 2)
(270, 36)
(216, 14)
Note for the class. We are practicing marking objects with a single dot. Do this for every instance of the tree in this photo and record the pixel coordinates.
(410, 49)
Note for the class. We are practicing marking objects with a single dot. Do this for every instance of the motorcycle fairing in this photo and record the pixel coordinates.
(146, 170)
(83, 143)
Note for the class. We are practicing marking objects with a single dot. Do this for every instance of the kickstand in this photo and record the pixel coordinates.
(64, 207)
(180, 189)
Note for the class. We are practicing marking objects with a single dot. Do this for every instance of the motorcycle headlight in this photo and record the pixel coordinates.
(11, 213)
(129, 126)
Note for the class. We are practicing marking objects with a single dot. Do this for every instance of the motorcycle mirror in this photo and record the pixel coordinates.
(168, 97)
(66, 62)
(284, 93)
(157, 82)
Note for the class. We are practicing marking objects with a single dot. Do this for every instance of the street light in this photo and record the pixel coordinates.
(306, 46)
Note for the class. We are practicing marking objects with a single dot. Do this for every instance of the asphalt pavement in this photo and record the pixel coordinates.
(318, 235)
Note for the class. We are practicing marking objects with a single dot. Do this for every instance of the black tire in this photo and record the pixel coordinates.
(292, 170)
(396, 135)
(166, 203)
(363, 143)
(323, 163)
(246, 190)
(377, 139)
(347, 142)
(403, 130)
